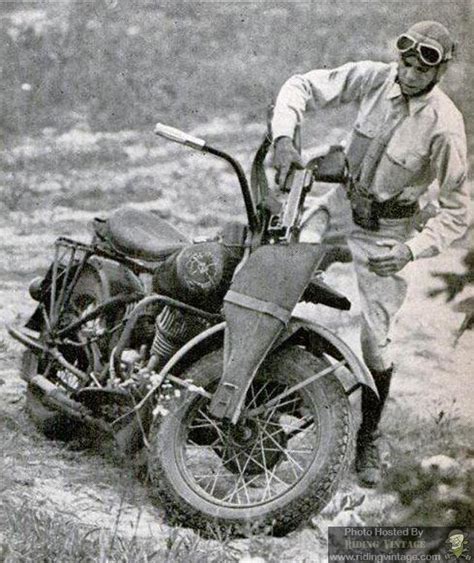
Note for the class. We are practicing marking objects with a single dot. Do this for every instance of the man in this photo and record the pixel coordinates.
(407, 134)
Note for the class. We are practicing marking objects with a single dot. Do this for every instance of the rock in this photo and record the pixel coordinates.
(441, 467)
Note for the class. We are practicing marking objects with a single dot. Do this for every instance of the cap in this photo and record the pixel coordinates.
(435, 34)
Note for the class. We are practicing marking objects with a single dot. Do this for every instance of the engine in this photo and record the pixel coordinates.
(198, 275)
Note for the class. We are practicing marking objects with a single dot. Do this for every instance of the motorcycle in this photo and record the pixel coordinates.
(191, 352)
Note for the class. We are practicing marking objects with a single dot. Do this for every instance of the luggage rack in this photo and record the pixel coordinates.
(70, 259)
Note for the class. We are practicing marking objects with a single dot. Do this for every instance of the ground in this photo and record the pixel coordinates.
(60, 490)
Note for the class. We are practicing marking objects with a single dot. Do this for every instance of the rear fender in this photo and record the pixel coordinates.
(114, 279)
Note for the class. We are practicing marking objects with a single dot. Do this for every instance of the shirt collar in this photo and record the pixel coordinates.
(414, 104)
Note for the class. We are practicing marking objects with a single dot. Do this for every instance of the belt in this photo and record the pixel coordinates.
(391, 209)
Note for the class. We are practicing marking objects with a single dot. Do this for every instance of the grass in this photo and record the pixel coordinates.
(35, 526)
(225, 56)
(37, 535)
(431, 467)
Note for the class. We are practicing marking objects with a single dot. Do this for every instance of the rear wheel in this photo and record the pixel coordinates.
(277, 466)
(87, 294)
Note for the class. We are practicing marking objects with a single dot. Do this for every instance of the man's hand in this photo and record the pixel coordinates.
(284, 157)
(395, 259)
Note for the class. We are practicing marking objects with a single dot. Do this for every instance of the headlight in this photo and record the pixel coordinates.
(35, 288)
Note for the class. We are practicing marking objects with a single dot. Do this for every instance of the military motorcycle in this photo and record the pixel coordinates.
(191, 352)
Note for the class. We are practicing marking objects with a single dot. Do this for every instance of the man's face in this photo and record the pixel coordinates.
(414, 76)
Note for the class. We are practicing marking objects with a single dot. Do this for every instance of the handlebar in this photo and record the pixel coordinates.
(178, 136)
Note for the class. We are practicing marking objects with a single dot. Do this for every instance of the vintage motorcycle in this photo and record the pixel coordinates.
(191, 352)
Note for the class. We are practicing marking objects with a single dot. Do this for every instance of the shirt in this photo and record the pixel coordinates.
(429, 144)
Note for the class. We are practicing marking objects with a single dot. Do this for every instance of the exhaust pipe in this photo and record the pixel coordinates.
(37, 346)
(57, 399)
(25, 339)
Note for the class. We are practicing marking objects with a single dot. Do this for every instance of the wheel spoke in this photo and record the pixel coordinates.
(206, 475)
(255, 396)
(216, 478)
(232, 493)
(290, 458)
(249, 457)
(264, 461)
(274, 476)
(239, 493)
(275, 432)
(205, 425)
(281, 405)
(233, 458)
(192, 444)
(290, 428)
(241, 472)
(291, 450)
(213, 424)
(242, 478)
(259, 461)
(265, 468)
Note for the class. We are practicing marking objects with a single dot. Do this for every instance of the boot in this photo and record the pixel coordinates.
(367, 462)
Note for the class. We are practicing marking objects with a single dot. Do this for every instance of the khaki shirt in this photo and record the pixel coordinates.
(428, 145)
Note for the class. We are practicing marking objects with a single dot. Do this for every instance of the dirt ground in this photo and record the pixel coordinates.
(101, 492)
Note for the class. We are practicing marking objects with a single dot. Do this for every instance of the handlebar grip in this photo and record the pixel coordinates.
(288, 180)
(178, 136)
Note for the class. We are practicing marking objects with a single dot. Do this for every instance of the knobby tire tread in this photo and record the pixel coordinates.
(280, 521)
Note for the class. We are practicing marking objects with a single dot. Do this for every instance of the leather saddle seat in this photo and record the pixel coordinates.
(143, 235)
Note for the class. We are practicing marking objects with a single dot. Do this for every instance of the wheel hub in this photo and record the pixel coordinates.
(253, 448)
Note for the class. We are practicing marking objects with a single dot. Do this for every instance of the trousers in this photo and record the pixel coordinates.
(380, 297)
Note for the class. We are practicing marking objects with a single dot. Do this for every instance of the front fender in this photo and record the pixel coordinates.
(325, 341)
(329, 342)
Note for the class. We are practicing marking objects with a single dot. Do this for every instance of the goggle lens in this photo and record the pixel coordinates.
(428, 54)
(405, 43)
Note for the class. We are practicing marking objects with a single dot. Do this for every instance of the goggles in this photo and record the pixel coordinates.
(428, 54)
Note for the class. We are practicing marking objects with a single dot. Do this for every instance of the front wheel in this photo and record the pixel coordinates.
(281, 463)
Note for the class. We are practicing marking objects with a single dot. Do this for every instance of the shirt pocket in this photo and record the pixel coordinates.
(403, 167)
(362, 134)
(366, 127)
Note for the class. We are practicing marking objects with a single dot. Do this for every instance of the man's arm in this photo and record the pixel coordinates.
(347, 83)
(321, 87)
(448, 160)
(449, 163)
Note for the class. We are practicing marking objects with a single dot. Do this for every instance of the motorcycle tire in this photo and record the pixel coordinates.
(209, 507)
(54, 424)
